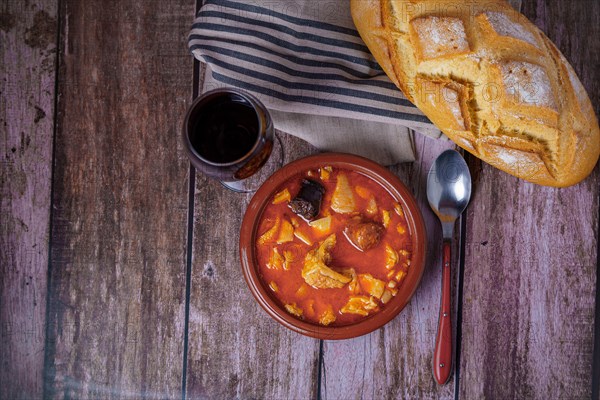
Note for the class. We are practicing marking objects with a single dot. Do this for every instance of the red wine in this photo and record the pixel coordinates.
(228, 134)
(225, 130)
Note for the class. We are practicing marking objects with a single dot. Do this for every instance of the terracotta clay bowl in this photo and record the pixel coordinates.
(249, 234)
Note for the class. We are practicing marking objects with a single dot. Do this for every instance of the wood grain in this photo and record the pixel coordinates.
(395, 361)
(118, 256)
(27, 71)
(235, 349)
(530, 267)
(529, 290)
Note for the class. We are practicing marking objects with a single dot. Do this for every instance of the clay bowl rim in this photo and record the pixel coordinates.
(415, 224)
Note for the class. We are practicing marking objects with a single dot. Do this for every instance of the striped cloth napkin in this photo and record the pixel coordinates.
(306, 62)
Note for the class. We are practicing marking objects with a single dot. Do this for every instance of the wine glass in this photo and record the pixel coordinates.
(228, 135)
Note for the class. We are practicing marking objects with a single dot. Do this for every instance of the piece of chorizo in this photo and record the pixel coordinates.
(364, 235)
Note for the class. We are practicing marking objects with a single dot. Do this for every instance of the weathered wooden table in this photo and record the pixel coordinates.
(119, 266)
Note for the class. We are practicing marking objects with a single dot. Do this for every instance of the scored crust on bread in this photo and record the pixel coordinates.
(490, 80)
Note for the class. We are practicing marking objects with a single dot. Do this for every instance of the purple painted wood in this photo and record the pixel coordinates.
(395, 361)
(530, 268)
(27, 70)
(529, 289)
(118, 255)
(235, 349)
(118, 258)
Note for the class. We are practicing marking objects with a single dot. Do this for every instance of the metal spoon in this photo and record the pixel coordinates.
(448, 192)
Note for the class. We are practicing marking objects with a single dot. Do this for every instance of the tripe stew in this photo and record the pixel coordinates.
(333, 246)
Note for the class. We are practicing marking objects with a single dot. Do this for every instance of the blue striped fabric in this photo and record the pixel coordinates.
(303, 57)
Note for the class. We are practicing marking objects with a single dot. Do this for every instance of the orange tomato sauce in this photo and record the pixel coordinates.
(285, 280)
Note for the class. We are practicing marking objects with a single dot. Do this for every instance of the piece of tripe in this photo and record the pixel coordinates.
(316, 272)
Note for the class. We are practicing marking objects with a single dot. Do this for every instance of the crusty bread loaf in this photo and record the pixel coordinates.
(490, 80)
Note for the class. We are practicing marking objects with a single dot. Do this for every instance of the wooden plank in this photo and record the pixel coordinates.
(395, 361)
(27, 72)
(118, 254)
(235, 349)
(530, 267)
(529, 289)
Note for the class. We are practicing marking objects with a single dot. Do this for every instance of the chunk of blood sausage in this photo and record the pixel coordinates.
(307, 203)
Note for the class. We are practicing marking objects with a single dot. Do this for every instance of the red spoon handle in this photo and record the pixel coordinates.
(442, 357)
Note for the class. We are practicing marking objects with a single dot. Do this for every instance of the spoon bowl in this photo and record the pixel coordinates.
(448, 193)
(449, 187)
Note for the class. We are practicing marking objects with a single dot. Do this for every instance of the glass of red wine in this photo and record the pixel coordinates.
(228, 135)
